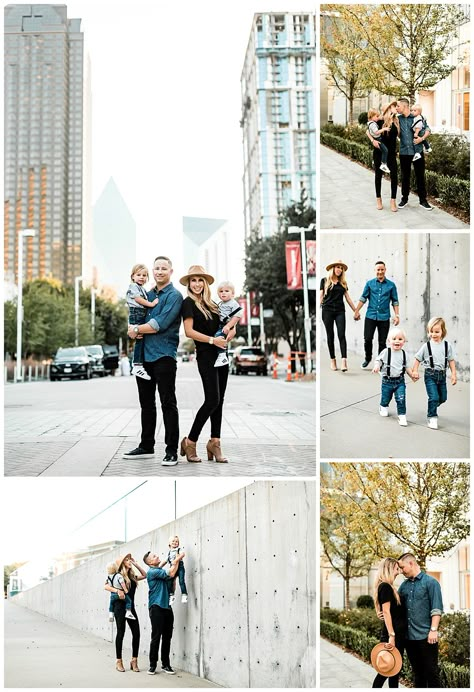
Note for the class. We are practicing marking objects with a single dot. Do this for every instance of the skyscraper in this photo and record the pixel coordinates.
(43, 140)
(278, 117)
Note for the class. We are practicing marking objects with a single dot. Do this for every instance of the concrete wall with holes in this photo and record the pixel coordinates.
(250, 572)
(431, 272)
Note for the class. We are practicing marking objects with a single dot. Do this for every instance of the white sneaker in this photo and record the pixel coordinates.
(129, 615)
(172, 599)
(428, 151)
(383, 411)
(184, 598)
(416, 157)
(111, 617)
(384, 168)
(140, 371)
(402, 420)
(221, 360)
(433, 423)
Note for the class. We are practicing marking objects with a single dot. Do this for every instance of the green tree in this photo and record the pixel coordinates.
(7, 570)
(423, 506)
(407, 46)
(344, 54)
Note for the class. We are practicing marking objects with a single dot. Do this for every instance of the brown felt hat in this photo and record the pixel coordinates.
(387, 662)
(335, 264)
(196, 270)
(120, 559)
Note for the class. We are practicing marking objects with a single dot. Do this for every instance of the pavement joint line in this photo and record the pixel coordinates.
(353, 403)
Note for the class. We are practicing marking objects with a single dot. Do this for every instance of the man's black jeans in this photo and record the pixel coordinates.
(163, 376)
(423, 658)
(161, 628)
(382, 327)
(405, 169)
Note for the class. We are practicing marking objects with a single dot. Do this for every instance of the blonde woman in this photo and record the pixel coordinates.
(333, 291)
(388, 602)
(201, 322)
(389, 120)
(125, 564)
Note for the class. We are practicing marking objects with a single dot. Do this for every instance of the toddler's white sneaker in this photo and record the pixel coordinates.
(383, 411)
(172, 599)
(111, 617)
(140, 371)
(402, 420)
(416, 157)
(129, 615)
(433, 423)
(184, 598)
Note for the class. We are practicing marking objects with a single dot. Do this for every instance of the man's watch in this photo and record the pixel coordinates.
(434, 629)
(211, 340)
(135, 329)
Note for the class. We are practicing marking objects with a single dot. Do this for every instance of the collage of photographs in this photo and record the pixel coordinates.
(235, 242)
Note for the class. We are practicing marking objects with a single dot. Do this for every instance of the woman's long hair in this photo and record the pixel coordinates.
(385, 575)
(332, 279)
(128, 575)
(204, 302)
(389, 118)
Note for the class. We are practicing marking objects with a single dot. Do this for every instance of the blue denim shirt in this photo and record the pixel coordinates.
(379, 294)
(422, 598)
(158, 581)
(165, 317)
(407, 148)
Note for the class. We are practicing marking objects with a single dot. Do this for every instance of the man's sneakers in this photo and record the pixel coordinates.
(140, 371)
(170, 460)
(172, 599)
(139, 453)
(416, 157)
(364, 364)
(433, 423)
(151, 670)
(168, 669)
(383, 167)
(184, 598)
(383, 411)
(402, 203)
(402, 420)
(221, 360)
(129, 615)
(426, 205)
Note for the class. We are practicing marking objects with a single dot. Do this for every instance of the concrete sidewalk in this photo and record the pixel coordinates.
(347, 196)
(41, 652)
(352, 428)
(342, 670)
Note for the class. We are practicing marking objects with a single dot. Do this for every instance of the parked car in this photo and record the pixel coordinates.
(111, 358)
(71, 362)
(249, 359)
(97, 353)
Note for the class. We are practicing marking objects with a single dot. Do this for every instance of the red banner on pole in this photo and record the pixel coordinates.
(311, 257)
(243, 304)
(294, 279)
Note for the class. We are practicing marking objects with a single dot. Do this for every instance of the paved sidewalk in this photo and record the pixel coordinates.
(348, 200)
(41, 652)
(342, 670)
(352, 428)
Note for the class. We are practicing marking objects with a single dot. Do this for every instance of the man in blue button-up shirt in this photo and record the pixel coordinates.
(161, 334)
(160, 611)
(421, 596)
(407, 152)
(379, 293)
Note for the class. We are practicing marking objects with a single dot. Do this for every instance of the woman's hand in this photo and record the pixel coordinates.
(220, 342)
(231, 333)
(391, 643)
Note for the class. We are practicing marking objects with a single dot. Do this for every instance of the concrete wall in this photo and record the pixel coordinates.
(251, 576)
(431, 271)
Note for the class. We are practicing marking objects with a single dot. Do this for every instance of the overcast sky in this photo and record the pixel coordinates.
(166, 108)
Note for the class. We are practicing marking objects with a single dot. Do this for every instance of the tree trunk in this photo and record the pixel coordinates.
(347, 604)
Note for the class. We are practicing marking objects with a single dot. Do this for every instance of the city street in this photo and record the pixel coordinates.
(41, 652)
(82, 428)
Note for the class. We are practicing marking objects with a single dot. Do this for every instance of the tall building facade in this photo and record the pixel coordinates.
(43, 140)
(278, 117)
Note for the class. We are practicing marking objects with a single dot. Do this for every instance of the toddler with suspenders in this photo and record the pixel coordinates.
(392, 365)
(436, 355)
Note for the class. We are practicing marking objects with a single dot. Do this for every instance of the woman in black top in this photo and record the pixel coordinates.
(124, 566)
(390, 140)
(333, 291)
(388, 602)
(201, 322)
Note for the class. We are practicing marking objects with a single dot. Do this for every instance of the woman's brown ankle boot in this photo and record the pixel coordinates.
(119, 666)
(188, 449)
(214, 450)
(134, 665)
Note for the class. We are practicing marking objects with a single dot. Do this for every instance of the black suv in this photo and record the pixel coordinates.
(71, 362)
(111, 358)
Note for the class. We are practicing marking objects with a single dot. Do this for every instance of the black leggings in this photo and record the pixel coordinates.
(339, 318)
(393, 681)
(392, 164)
(214, 382)
(120, 619)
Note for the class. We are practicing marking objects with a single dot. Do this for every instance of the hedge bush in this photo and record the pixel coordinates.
(451, 192)
(365, 602)
(454, 643)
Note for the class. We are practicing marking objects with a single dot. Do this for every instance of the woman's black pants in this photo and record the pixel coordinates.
(214, 382)
(393, 681)
(120, 619)
(330, 318)
(392, 164)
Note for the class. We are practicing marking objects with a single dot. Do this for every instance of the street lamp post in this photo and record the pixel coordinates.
(76, 309)
(26, 233)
